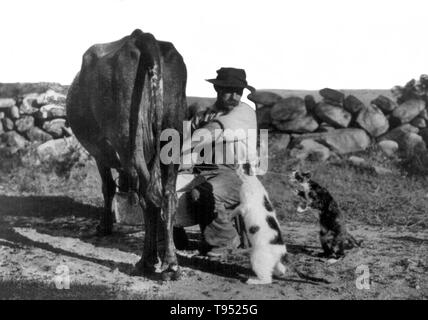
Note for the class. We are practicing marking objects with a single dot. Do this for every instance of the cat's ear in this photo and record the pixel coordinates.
(307, 175)
(297, 175)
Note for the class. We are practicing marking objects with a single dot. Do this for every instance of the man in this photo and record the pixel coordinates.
(214, 200)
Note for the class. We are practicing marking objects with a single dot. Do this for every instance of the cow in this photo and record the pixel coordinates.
(125, 94)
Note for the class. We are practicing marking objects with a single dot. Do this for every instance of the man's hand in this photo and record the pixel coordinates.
(187, 157)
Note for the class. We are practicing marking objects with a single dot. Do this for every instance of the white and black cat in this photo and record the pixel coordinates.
(269, 253)
(333, 234)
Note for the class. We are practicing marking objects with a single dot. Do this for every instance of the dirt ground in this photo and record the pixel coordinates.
(39, 234)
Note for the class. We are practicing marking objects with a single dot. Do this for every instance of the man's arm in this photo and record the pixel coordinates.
(213, 127)
(215, 130)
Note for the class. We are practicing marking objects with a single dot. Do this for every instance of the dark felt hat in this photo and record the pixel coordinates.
(231, 77)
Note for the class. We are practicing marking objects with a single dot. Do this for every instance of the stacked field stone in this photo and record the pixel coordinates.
(337, 124)
(32, 118)
(343, 124)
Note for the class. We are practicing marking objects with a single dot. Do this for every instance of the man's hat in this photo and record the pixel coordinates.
(231, 77)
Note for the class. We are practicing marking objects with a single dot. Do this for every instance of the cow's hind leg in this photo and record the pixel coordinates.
(105, 226)
(147, 263)
(171, 270)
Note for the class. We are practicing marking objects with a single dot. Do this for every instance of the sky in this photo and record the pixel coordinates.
(282, 44)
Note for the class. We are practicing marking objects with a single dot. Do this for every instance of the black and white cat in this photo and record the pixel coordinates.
(333, 234)
(269, 253)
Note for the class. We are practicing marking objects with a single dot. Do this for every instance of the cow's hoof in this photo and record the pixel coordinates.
(103, 230)
(141, 269)
(172, 273)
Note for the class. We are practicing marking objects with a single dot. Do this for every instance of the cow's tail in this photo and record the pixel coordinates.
(150, 65)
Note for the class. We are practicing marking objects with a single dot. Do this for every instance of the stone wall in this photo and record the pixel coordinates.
(341, 124)
(336, 123)
(32, 118)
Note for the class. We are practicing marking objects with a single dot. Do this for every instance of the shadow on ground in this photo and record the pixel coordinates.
(35, 290)
(62, 216)
(48, 207)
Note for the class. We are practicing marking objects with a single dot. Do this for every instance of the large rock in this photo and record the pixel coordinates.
(50, 96)
(393, 122)
(14, 141)
(361, 163)
(396, 133)
(265, 98)
(311, 150)
(400, 135)
(264, 119)
(419, 122)
(299, 125)
(6, 103)
(51, 111)
(341, 140)
(373, 121)
(335, 116)
(325, 127)
(352, 104)
(333, 103)
(409, 110)
(24, 124)
(310, 103)
(59, 147)
(36, 134)
(347, 140)
(55, 127)
(332, 95)
(385, 104)
(288, 109)
(356, 161)
(424, 134)
(424, 114)
(14, 113)
(409, 142)
(278, 143)
(389, 147)
(8, 124)
(29, 104)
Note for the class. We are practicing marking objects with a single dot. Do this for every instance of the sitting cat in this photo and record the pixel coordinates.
(333, 235)
(269, 252)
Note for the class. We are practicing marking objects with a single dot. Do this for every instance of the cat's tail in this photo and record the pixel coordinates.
(287, 260)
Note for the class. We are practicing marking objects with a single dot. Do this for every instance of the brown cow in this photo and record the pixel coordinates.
(126, 93)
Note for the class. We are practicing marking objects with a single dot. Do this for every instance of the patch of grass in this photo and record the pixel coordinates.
(9, 161)
(383, 200)
(25, 171)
